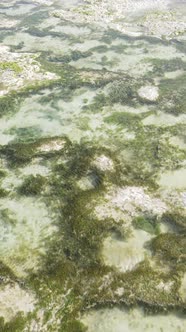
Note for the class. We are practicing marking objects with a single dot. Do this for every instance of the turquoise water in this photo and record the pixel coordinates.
(92, 173)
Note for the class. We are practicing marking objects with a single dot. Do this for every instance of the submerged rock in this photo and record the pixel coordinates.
(104, 163)
(18, 70)
(166, 24)
(149, 93)
(112, 14)
(124, 203)
(53, 144)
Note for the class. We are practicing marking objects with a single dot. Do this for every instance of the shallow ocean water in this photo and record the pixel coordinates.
(120, 320)
(92, 176)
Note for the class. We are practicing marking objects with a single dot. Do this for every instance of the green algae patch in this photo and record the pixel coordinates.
(151, 153)
(2, 174)
(17, 324)
(176, 219)
(83, 232)
(173, 95)
(19, 154)
(72, 56)
(156, 290)
(99, 101)
(160, 66)
(123, 119)
(67, 74)
(148, 286)
(123, 91)
(8, 104)
(32, 185)
(72, 276)
(6, 272)
(3, 193)
(25, 134)
(171, 248)
(148, 223)
(73, 326)
(10, 66)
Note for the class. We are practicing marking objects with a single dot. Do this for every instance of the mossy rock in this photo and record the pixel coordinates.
(142, 285)
(157, 291)
(32, 185)
(171, 248)
(20, 154)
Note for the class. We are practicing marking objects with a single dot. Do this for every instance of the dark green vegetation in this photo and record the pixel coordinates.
(124, 91)
(73, 268)
(17, 324)
(32, 185)
(3, 193)
(25, 134)
(173, 95)
(74, 56)
(124, 119)
(151, 153)
(8, 104)
(73, 276)
(160, 66)
(73, 326)
(148, 223)
(171, 248)
(19, 154)
(175, 219)
(6, 272)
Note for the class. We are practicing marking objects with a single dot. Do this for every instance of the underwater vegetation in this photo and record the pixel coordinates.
(72, 275)
(175, 219)
(25, 134)
(11, 66)
(17, 324)
(123, 91)
(173, 98)
(171, 247)
(32, 185)
(20, 153)
(63, 181)
(148, 223)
